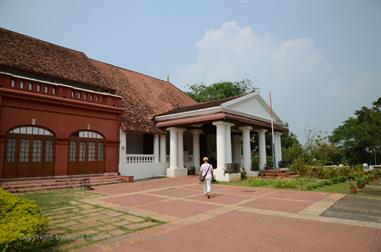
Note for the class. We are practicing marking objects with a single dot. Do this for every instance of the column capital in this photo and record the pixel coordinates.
(181, 130)
(260, 130)
(223, 123)
(176, 129)
(172, 129)
(278, 133)
(196, 131)
(242, 128)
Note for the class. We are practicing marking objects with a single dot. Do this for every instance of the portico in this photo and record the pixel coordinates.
(231, 122)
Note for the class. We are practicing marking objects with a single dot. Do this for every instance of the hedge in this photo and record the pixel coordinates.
(21, 223)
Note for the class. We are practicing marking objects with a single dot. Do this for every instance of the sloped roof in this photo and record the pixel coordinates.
(202, 105)
(34, 56)
(143, 97)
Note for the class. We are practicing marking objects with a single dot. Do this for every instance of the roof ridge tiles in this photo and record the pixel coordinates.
(43, 41)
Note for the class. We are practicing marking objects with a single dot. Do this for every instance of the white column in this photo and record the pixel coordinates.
(220, 139)
(237, 149)
(278, 148)
(180, 147)
(156, 148)
(173, 148)
(163, 148)
(262, 148)
(228, 137)
(122, 152)
(176, 154)
(224, 149)
(246, 148)
(196, 149)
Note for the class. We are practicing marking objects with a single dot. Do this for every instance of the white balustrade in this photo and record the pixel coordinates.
(188, 159)
(140, 158)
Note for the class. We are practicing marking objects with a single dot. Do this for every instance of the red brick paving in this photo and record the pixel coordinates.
(221, 198)
(178, 208)
(134, 200)
(175, 192)
(297, 195)
(237, 231)
(278, 205)
(233, 230)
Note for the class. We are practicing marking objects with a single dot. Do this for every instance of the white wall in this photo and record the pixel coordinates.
(144, 170)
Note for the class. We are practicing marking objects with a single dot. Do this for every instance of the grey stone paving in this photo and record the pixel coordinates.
(364, 206)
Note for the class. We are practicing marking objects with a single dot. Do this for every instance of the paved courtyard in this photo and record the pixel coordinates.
(234, 219)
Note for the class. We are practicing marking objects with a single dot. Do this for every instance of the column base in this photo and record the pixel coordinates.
(177, 172)
(227, 177)
(252, 174)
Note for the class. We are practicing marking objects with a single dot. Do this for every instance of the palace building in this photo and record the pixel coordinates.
(63, 113)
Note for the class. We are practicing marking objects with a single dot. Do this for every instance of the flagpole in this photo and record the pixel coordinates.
(272, 134)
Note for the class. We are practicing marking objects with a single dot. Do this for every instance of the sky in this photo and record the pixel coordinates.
(321, 60)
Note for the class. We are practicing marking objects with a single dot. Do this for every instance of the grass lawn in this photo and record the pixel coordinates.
(304, 184)
(74, 223)
(336, 188)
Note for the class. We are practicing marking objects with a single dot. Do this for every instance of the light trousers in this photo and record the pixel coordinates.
(207, 185)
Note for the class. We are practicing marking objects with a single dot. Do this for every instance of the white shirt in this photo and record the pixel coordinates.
(204, 169)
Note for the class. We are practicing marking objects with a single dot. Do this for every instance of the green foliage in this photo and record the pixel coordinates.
(360, 181)
(291, 148)
(283, 183)
(359, 137)
(326, 154)
(202, 92)
(21, 223)
(351, 184)
(301, 168)
(313, 185)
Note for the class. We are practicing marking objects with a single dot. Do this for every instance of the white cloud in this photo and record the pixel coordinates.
(306, 86)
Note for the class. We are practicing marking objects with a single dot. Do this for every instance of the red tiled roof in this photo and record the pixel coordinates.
(143, 97)
(34, 56)
(203, 105)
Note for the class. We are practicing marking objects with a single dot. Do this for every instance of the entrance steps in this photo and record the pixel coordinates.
(21, 185)
(276, 174)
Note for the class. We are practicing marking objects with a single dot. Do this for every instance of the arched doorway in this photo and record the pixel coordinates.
(29, 152)
(86, 153)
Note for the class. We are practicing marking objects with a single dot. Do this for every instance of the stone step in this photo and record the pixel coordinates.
(56, 180)
(50, 184)
(55, 187)
(53, 183)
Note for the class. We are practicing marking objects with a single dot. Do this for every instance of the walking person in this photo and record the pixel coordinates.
(206, 176)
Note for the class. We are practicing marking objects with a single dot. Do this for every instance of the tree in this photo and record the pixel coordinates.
(219, 90)
(291, 148)
(360, 136)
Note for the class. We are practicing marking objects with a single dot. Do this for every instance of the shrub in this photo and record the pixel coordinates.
(285, 184)
(326, 182)
(360, 182)
(21, 223)
(299, 167)
(335, 180)
(341, 179)
(312, 185)
(259, 182)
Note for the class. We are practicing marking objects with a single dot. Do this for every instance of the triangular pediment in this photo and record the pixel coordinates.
(252, 105)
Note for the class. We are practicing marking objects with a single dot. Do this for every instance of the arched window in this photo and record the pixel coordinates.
(86, 152)
(29, 152)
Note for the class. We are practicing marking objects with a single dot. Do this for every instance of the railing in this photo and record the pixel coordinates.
(188, 159)
(140, 158)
